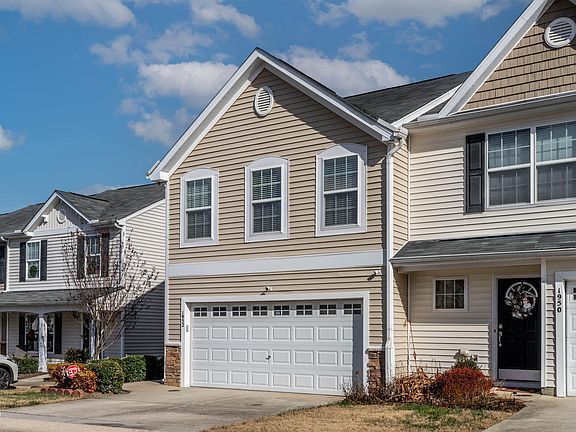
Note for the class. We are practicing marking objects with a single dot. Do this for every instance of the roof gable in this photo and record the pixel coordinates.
(519, 30)
(248, 71)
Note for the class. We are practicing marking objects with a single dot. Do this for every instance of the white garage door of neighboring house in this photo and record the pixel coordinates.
(305, 347)
(571, 339)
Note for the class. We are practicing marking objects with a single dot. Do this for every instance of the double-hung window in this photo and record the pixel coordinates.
(199, 201)
(266, 199)
(556, 161)
(93, 255)
(341, 190)
(509, 167)
(33, 260)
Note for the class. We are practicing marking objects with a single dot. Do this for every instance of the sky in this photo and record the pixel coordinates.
(94, 92)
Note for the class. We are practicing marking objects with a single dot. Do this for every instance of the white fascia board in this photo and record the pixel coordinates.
(47, 204)
(496, 56)
(414, 115)
(235, 86)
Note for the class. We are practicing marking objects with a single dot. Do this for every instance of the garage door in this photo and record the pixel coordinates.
(306, 347)
(571, 339)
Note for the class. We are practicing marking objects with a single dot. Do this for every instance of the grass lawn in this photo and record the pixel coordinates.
(25, 397)
(381, 418)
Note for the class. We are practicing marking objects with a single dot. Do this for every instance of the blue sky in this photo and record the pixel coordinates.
(95, 91)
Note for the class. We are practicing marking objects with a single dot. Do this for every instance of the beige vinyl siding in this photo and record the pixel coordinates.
(147, 233)
(317, 281)
(401, 194)
(532, 69)
(437, 336)
(298, 128)
(437, 171)
(401, 327)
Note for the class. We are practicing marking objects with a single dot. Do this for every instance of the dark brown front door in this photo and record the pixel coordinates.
(519, 329)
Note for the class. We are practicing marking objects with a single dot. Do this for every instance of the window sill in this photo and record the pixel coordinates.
(197, 243)
(547, 203)
(344, 230)
(256, 238)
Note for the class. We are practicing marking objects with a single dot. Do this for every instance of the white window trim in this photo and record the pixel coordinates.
(465, 309)
(334, 152)
(533, 165)
(39, 261)
(199, 174)
(261, 164)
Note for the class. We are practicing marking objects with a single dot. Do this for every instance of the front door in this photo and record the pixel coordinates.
(519, 329)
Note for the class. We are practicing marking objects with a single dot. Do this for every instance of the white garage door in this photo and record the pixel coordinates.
(571, 339)
(306, 347)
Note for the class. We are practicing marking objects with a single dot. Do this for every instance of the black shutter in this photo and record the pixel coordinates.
(475, 164)
(80, 255)
(43, 260)
(22, 332)
(23, 262)
(105, 254)
(58, 333)
(2, 264)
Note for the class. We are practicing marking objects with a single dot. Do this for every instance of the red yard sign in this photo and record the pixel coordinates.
(72, 371)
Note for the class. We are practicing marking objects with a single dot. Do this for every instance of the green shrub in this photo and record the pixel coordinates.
(134, 367)
(84, 380)
(154, 368)
(466, 362)
(26, 365)
(109, 375)
(76, 355)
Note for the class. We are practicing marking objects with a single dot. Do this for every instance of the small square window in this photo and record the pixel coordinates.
(219, 311)
(200, 311)
(303, 310)
(449, 294)
(283, 310)
(238, 311)
(259, 310)
(353, 309)
(327, 309)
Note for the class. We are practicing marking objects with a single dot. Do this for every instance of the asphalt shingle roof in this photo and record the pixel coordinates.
(519, 244)
(39, 297)
(394, 103)
(106, 206)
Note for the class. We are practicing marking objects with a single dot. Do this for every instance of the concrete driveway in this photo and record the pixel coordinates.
(152, 406)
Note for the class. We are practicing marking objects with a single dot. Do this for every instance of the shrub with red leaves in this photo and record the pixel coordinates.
(462, 387)
(84, 380)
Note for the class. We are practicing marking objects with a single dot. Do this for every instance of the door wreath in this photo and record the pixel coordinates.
(522, 297)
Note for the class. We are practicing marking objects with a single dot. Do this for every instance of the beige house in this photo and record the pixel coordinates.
(315, 240)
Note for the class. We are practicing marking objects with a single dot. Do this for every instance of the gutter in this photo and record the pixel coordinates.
(398, 141)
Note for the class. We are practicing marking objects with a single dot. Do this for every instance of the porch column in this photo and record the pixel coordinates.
(42, 343)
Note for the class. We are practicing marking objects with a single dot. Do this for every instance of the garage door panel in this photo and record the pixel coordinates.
(291, 348)
(571, 340)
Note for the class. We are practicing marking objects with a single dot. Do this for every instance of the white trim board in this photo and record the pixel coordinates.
(240, 80)
(561, 280)
(372, 258)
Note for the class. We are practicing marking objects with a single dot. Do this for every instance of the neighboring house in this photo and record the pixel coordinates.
(280, 229)
(491, 258)
(37, 315)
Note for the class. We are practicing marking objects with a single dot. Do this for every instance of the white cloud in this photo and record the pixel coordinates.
(194, 82)
(109, 13)
(177, 41)
(343, 76)
(431, 13)
(417, 42)
(359, 48)
(154, 127)
(8, 139)
(213, 11)
(117, 51)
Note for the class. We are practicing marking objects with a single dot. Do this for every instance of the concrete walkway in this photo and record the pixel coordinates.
(154, 407)
(542, 413)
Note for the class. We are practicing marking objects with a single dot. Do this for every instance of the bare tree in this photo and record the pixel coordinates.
(108, 280)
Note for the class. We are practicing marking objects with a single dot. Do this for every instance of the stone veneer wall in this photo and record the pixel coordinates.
(172, 366)
(375, 368)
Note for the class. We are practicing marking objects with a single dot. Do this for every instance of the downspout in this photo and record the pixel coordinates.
(395, 145)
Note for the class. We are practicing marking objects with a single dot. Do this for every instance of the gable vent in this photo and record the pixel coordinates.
(560, 32)
(263, 101)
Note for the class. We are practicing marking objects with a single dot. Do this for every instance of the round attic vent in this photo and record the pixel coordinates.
(263, 101)
(560, 32)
